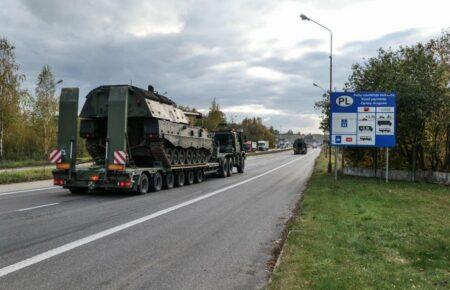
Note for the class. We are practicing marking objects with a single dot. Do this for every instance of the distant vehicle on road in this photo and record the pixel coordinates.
(250, 146)
(300, 146)
(263, 145)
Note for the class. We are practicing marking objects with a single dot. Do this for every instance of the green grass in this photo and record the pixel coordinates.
(22, 163)
(365, 234)
(25, 175)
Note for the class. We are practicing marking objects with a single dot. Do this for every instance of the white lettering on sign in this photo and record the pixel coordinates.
(344, 101)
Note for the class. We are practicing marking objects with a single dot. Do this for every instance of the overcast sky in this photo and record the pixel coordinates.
(257, 58)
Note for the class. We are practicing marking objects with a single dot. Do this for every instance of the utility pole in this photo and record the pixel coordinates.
(305, 18)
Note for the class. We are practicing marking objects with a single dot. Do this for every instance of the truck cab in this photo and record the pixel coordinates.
(229, 150)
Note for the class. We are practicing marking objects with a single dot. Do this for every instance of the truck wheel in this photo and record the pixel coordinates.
(198, 176)
(241, 165)
(169, 181)
(156, 182)
(189, 177)
(78, 190)
(143, 184)
(179, 179)
(230, 167)
(223, 168)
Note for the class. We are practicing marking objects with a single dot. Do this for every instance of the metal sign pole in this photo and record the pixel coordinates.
(387, 164)
(335, 162)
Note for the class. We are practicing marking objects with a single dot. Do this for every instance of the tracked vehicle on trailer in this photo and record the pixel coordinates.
(139, 141)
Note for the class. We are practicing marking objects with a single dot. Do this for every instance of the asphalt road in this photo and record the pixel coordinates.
(214, 235)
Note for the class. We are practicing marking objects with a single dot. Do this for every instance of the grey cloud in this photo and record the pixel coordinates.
(89, 43)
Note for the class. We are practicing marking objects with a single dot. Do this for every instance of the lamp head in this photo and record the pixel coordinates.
(304, 17)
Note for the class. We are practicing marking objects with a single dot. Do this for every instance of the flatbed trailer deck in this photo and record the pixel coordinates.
(131, 178)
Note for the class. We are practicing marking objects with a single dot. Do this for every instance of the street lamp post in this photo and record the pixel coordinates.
(305, 18)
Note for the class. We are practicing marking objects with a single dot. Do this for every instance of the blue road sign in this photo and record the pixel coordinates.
(364, 119)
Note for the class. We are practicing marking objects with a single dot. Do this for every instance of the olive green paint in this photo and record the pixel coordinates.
(67, 124)
(117, 120)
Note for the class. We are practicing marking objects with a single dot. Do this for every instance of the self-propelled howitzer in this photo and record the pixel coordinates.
(157, 131)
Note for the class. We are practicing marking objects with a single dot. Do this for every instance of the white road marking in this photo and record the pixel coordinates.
(78, 243)
(34, 207)
(28, 190)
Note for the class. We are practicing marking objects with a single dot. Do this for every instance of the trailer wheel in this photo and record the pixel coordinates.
(156, 182)
(143, 184)
(223, 168)
(198, 176)
(241, 165)
(190, 177)
(230, 167)
(179, 179)
(169, 181)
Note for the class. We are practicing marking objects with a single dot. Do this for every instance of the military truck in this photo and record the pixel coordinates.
(300, 146)
(139, 141)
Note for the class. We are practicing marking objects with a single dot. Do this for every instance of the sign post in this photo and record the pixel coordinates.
(363, 119)
(387, 164)
(335, 163)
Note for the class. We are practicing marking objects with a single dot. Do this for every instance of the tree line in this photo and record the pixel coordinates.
(215, 119)
(28, 121)
(420, 75)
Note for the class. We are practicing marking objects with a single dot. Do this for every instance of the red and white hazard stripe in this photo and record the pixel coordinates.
(120, 157)
(55, 156)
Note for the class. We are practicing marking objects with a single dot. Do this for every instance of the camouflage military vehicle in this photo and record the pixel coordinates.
(140, 142)
(157, 131)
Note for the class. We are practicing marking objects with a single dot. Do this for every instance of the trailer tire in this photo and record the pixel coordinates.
(190, 177)
(169, 181)
(230, 167)
(223, 168)
(143, 184)
(198, 176)
(241, 165)
(156, 182)
(180, 179)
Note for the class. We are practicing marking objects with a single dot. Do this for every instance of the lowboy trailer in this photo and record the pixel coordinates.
(122, 175)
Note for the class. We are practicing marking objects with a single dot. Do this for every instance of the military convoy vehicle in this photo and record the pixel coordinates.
(300, 146)
(139, 141)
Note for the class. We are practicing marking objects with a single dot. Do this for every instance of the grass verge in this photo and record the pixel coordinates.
(23, 163)
(365, 234)
(25, 175)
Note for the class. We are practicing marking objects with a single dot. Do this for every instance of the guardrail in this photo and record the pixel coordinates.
(268, 152)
